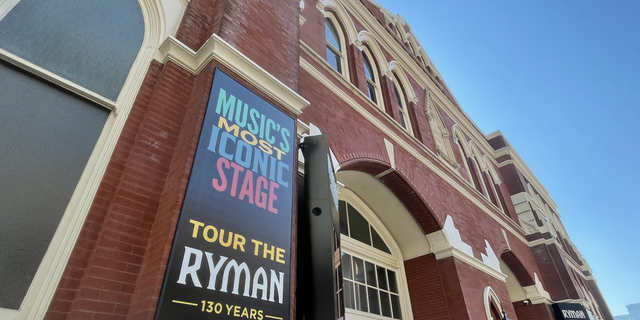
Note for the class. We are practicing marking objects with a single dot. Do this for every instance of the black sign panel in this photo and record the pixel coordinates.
(231, 254)
(569, 311)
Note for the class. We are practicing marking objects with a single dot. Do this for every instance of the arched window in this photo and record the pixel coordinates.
(405, 120)
(370, 74)
(60, 89)
(335, 55)
(373, 279)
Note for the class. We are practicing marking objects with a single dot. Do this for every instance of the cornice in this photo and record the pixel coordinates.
(216, 48)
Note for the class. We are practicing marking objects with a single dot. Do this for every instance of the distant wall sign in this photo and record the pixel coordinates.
(569, 311)
(231, 256)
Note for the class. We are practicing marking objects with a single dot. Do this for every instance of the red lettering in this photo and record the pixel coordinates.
(236, 172)
(222, 184)
(261, 197)
(272, 196)
(247, 187)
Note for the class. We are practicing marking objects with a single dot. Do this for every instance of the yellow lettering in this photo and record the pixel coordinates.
(238, 241)
(265, 147)
(279, 153)
(223, 124)
(196, 225)
(205, 233)
(266, 251)
(246, 133)
(280, 255)
(256, 246)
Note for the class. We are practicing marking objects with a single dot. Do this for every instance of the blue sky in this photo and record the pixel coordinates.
(561, 80)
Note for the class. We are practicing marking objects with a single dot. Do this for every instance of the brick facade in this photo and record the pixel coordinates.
(117, 265)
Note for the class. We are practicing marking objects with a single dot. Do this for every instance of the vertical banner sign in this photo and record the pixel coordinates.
(231, 256)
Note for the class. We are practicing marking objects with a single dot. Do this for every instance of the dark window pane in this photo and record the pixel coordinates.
(395, 303)
(361, 297)
(371, 92)
(346, 266)
(48, 135)
(331, 34)
(334, 60)
(342, 209)
(358, 269)
(382, 278)
(393, 285)
(374, 304)
(378, 243)
(371, 273)
(358, 226)
(395, 88)
(367, 67)
(385, 303)
(349, 297)
(91, 43)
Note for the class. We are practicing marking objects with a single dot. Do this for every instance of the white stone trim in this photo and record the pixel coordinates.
(382, 65)
(488, 295)
(342, 16)
(448, 243)
(216, 48)
(395, 67)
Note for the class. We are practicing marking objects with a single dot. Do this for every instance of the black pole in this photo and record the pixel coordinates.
(319, 292)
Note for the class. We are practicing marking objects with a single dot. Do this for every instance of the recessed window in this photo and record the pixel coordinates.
(369, 286)
(355, 226)
(334, 49)
(405, 121)
(371, 82)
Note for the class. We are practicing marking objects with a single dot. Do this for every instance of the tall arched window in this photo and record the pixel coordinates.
(370, 74)
(60, 89)
(335, 56)
(373, 281)
(405, 120)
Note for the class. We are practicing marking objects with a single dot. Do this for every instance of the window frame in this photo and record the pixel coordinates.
(403, 106)
(393, 261)
(330, 17)
(45, 282)
(378, 101)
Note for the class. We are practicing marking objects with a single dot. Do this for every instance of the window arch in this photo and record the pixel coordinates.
(374, 282)
(475, 164)
(492, 305)
(403, 106)
(371, 76)
(335, 44)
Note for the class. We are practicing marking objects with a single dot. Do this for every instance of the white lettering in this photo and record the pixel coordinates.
(190, 270)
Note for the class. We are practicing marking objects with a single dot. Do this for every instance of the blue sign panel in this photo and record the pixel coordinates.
(231, 257)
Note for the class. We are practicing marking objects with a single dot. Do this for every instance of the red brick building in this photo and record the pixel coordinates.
(102, 108)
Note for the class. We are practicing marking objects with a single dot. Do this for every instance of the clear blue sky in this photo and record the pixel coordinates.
(561, 80)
